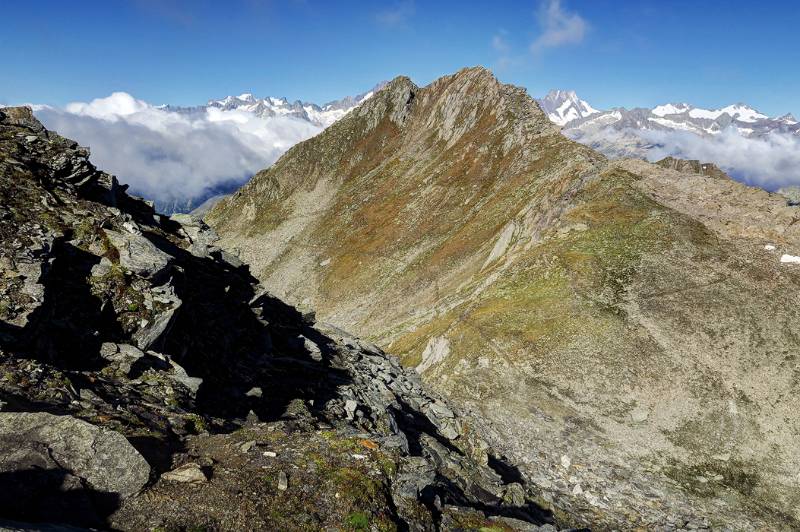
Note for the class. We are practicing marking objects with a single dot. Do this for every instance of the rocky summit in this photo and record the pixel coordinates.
(148, 382)
(626, 333)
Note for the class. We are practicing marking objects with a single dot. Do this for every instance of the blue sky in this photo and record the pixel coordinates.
(709, 53)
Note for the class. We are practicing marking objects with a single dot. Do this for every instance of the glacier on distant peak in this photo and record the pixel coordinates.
(670, 109)
(566, 109)
(749, 145)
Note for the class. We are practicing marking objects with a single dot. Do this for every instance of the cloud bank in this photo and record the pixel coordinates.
(559, 27)
(770, 162)
(170, 156)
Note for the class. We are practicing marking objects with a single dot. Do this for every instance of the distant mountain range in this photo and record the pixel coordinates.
(319, 115)
(566, 109)
(748, 145)
(562, 107)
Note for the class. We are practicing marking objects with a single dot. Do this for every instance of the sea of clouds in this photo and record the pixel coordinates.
(771, 161)
(170, 156)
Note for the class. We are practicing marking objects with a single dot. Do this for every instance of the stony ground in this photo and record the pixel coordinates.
(626, 330)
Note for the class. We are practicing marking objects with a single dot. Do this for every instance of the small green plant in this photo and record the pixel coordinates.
(358, 521)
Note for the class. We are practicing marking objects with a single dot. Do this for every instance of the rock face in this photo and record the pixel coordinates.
(624, 331)
(132, 347)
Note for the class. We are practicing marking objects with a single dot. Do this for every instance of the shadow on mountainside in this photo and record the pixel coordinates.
(223, 333)
(54, 496)
(237, 340)
(67, 329)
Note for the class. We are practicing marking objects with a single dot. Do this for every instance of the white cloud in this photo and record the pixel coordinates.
(770, 162)
(559, 27)
(397, 15)
(499, 43)
(119, 104)
(170, 156)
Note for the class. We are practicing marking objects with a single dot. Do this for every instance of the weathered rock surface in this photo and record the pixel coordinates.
(130, 343)
(634, 318)
(103, 458)
(44, 458)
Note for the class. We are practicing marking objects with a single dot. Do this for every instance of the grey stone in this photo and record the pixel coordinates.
(439, 410)
(150, 335)
(414, 474)
(514, 494)
(183, 219)
(123, 356)
(108, 350)
(201, 237)
(283, 481)
(101, 268)
(350, 407)
(231, 259)
(102, 458)
(254, 392)
(190, 473)
(137, 254)
(312, 348)
(179, 375)
(130, 352)
(516, 524)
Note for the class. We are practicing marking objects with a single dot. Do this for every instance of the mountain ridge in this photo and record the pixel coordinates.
(546, 289)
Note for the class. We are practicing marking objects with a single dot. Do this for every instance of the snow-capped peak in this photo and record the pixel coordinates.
(580, 119)
(563, 107)
(737, 111)
(271, 106)
(743, 113)
(671, 109)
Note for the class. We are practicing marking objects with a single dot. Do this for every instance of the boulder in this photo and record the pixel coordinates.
(137, 254)
(103, 460)
(199, 234)
(151, 333)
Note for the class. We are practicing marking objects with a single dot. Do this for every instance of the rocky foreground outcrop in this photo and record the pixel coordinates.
(627, 332)
(147, 381)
